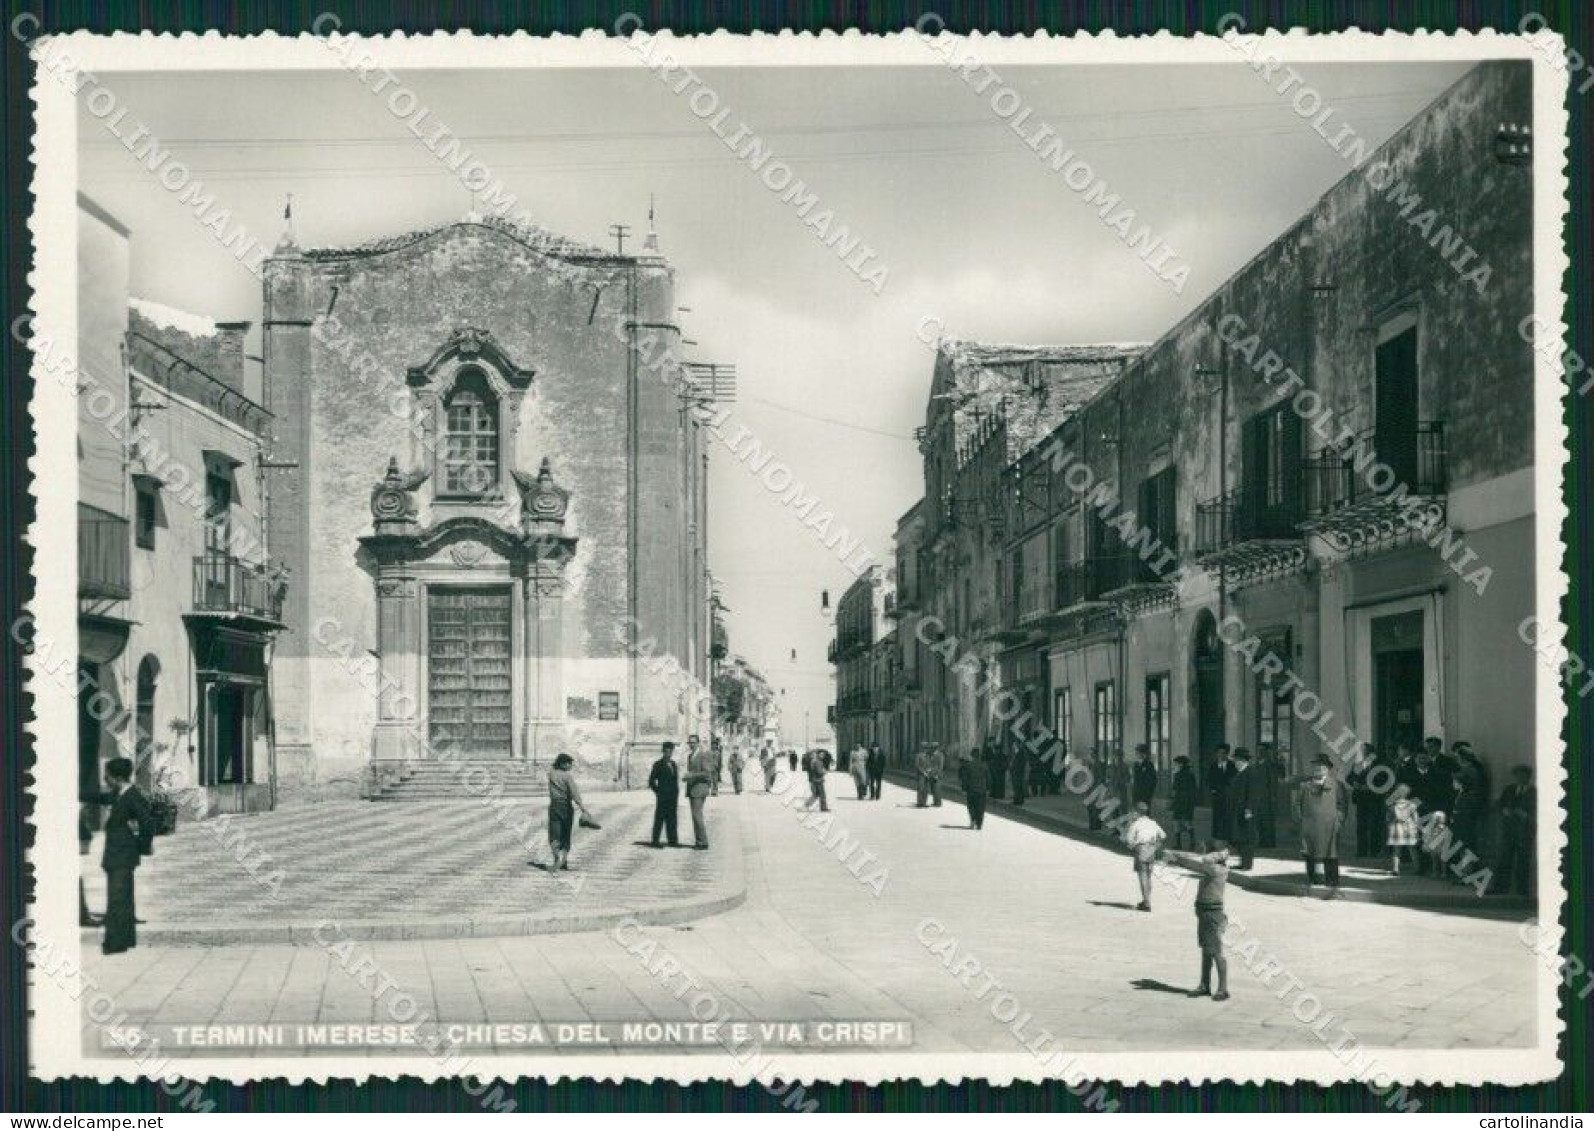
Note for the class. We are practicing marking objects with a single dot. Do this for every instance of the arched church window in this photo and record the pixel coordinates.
(470, 455)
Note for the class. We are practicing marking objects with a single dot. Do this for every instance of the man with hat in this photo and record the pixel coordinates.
(129, 834)
(1320, 807)
(1244, 800)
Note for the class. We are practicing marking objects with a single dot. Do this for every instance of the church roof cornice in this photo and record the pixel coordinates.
(533, 238)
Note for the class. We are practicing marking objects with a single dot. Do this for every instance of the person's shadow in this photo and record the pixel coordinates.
(1159, 987)
(964, 828)
(1112, 903)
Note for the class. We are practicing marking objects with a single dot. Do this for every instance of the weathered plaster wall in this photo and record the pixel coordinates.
(341, 332)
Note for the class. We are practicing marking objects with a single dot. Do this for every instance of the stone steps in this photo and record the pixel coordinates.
(475, 780)
(444, 781)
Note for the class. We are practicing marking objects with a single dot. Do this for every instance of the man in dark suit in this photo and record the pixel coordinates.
(1518, 809)
(665, 782)
(877, 771)
(1143, 777)
(1244, 798)
(129, 833)
(1219, 778)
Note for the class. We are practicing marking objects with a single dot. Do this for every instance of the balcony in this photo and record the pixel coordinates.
(104, 555)
(1243, 534)
(850, 642)
(1344, 506)
(853, 703)
(225, 586)
(1128, 579)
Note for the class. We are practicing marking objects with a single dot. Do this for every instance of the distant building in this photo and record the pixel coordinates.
(988, 405)
(861, 629)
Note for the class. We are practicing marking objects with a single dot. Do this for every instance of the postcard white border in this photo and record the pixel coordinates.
(55, 1050)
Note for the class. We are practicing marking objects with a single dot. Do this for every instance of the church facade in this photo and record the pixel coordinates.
(489, 488)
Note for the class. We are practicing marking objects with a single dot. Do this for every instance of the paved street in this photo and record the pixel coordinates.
(1049, 917)
(426, 869)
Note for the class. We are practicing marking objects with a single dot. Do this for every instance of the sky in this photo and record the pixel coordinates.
(974, 229)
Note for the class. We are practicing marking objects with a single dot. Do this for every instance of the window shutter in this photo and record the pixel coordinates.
(1253, 470)
(1291, 463)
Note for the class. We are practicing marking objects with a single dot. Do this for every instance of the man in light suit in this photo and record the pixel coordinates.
(699, 783)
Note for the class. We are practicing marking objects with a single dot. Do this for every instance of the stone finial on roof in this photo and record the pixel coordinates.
(288, 242)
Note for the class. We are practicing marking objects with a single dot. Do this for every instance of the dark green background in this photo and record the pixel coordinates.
(18, 1093)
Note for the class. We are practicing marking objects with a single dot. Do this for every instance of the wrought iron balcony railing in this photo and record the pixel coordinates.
(225, 584)
(1245, 515)
(1337, 480)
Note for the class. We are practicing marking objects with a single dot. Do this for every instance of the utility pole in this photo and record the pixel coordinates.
(619, 232)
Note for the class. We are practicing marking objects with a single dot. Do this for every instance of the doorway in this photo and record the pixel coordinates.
(468, 671)
(1207, 687)
(228, 739)
(1398, 680)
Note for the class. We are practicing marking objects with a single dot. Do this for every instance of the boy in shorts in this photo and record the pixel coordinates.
(1212, 865)
(1144, 837)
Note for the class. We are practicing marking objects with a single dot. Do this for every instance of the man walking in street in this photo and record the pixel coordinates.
(876, 764)
(1243, 803)
(665, 782)
(858, 767)
(814, 763)
(976, 780)
(129, 832)
(1144, 838)
(737, 754)
(699, 784)
(769, 762)
(932, 766)
(718, 757)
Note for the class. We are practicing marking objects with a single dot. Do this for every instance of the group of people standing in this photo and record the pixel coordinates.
(705, 771)
(868, 770)
(1441, 799)
(1411, 809)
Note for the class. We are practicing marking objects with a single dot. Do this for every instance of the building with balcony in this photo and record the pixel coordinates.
(989, 406)
(104, 538)
(1329, 460)
(860, 650)
(180, 603)
(911, 708)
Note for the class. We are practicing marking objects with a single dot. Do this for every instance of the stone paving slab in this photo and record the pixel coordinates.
(432, 870)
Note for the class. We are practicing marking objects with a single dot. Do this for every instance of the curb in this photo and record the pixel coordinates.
(732, 895)
(1264, 885)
